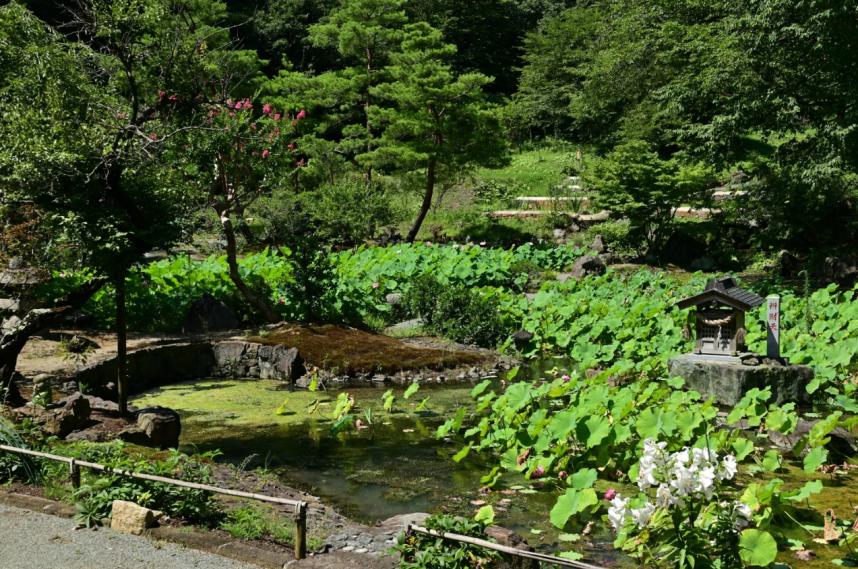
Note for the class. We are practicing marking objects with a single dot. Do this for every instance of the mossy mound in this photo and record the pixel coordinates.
(351, 351)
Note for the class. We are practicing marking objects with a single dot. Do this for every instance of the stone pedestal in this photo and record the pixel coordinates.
(727, 380)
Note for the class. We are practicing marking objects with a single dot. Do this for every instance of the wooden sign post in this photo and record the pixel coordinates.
(773, 320)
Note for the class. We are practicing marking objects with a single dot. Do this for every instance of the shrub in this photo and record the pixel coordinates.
(14, 466)
(349, 212)
(471, 316)
(95, 497)
(419, 551)
(634, 182)
(253, 522)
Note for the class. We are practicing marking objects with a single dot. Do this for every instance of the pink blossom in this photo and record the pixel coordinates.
(610, 494)
(239, 105)
(291, 146)
(301, 115)
(161, 94)
(229, 103)
(266, 109)
(248, 104)
(562, 475)
(538, 473)
(265, 153)
(566, 379)
(375, 285)
(173, 98)
(277, 116)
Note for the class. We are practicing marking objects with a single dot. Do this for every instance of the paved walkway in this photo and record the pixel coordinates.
(30, 540)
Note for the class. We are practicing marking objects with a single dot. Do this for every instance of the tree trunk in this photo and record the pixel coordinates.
(121, 346)
(427, 201)
(232, 261)
(13, 341)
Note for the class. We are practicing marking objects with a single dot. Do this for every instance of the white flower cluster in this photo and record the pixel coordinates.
(691, 473)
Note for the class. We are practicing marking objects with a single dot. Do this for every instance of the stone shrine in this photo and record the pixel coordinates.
(721, 367)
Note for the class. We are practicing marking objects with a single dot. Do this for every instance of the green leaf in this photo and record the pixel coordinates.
(815, 458)
(573, 555)
(806, 491)
(485, 515)
(597, 429)
(412, 389)
(572, 502)
(743, 447)
(460, 456)
(583, 478)
(757, 548)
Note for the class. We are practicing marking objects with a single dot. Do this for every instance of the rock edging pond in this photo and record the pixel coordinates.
(338, 355)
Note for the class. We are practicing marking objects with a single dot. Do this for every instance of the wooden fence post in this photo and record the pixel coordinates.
(74, 474)
(301, 531)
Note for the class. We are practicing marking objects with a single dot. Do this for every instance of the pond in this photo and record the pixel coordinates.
(393, 465)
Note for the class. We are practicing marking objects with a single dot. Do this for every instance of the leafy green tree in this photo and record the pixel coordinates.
(636, 183)
(87, 121)
(436, 122)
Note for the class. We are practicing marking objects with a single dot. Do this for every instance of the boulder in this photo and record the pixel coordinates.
(72, 414)
(509, 538)
(128, 517)
(399, 523)
(598, 245)
(393, 298)
(158, 427)
(521, 338)
(278, 362)
(588, 265)
(207, 315)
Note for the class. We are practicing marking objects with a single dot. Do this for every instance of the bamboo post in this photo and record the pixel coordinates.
(74, 474)
(301, 531)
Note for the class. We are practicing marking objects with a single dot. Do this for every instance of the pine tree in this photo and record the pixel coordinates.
(435, 121)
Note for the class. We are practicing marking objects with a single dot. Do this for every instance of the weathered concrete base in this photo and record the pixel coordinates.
(727, 382)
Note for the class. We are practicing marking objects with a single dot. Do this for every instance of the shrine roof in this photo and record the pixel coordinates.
(725, 291)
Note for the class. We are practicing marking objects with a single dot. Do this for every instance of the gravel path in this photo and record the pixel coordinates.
(30, 540)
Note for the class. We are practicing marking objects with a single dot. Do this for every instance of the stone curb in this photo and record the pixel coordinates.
(188, 537)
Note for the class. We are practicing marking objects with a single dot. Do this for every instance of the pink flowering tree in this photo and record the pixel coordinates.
(241, 152)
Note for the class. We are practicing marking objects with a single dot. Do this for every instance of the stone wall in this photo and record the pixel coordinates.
(160, 365)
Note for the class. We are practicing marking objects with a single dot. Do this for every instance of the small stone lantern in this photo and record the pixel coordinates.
(720, 318)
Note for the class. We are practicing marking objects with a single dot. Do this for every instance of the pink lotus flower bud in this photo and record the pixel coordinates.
(566, 378)
(301, 115)
(266, 109)
(562, 475)
(265, 153)
(610, 494)
(538, 473)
